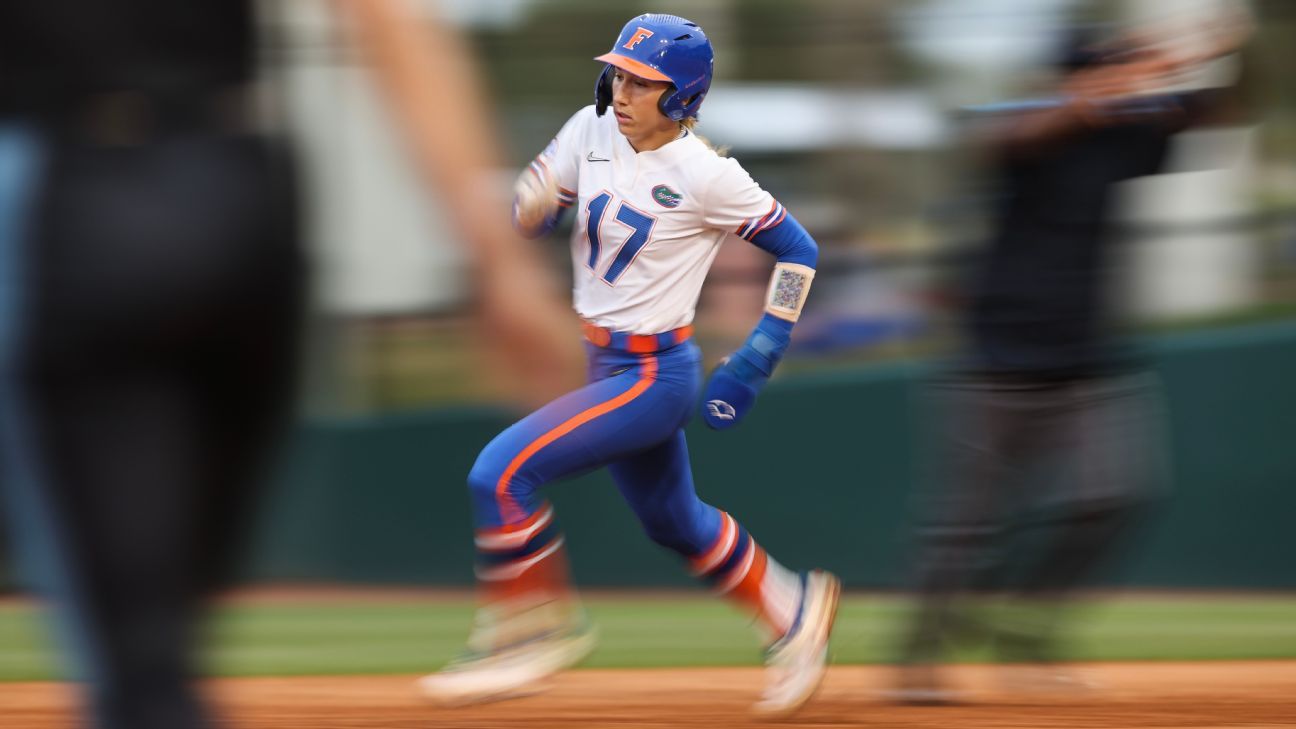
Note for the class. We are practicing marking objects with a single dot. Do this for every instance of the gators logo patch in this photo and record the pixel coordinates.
(666, 197)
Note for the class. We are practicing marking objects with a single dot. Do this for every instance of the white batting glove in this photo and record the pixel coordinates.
(535, 198)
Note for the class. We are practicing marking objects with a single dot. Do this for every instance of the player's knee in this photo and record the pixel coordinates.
(680, 531)
(490, 487)
(483, 485)
(668, 535)
(483, 478)
(481, 481)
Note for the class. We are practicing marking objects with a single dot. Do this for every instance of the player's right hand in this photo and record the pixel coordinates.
(535, 201)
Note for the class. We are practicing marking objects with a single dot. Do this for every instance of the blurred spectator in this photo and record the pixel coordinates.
(436, 99)
(151, 282)
(152, 285)
(1046, 431)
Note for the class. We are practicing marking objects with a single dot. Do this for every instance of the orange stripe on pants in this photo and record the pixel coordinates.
(509, 510)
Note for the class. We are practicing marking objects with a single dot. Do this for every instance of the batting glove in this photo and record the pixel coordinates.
(535, 202)
(733, 387)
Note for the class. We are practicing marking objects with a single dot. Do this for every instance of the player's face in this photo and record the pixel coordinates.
(634, 101)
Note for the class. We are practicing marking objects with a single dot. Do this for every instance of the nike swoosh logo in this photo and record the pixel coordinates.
(591, 158)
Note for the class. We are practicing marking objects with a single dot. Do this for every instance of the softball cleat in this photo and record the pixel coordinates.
(796, 663)
(512, 670)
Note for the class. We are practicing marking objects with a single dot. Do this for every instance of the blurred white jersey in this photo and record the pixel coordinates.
(648, 224)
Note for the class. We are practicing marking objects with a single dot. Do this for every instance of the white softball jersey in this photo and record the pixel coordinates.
(648, 224)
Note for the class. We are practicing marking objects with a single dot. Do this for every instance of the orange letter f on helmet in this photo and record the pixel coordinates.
(640, 35)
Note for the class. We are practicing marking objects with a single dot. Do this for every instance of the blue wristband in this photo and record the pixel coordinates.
(765, 346)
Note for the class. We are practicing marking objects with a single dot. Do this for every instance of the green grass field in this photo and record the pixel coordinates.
(406, 635)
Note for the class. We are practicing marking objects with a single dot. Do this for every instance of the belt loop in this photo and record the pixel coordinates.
(597, 335)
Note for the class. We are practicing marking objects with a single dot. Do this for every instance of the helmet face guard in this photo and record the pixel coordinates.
(661, 48)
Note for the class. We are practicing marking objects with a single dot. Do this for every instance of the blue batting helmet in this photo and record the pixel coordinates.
(661, 48)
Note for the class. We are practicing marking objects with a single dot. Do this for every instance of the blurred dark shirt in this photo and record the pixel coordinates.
(56, 53)
(1038, 304)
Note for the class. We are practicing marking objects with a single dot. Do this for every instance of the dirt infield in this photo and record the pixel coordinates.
(1223, 694)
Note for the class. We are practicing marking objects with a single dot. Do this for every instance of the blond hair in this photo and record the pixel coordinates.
(690, 123)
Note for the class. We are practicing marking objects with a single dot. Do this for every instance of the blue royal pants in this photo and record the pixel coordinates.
(630, 418)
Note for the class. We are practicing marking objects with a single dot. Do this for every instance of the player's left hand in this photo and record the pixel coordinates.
(731, 392)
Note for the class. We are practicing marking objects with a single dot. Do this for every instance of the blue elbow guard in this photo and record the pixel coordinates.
(733, 387)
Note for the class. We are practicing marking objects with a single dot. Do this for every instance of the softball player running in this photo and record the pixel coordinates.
(653, 204)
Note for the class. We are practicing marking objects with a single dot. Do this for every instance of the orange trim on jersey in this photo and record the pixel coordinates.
(764, 219)
(749, 222)
(638, 68)
(509, 510)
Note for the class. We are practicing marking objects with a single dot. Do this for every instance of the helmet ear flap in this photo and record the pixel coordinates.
(603, 91)
(666, 103)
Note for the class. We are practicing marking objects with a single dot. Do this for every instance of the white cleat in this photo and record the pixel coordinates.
(796, 663)
(518, 669)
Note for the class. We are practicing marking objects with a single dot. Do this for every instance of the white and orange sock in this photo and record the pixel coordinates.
(740, 569)
(523, 563)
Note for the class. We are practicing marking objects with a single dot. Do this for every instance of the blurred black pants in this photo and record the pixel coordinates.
(150, 298)
(1034, 484)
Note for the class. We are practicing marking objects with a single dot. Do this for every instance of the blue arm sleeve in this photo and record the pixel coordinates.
(789, 242)
(732, 389)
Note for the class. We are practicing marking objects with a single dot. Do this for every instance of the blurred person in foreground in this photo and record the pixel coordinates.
(151, 285)
(1045, 435)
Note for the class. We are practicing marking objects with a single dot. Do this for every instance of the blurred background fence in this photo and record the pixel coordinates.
(823, 472)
